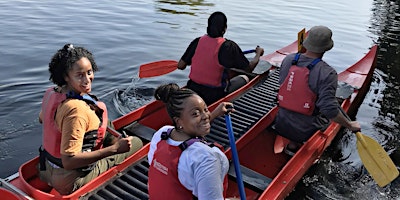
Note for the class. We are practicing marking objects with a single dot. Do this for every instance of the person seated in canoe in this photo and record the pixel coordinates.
(183, 165)
(306, 96)
(210, 57)
(74, 125)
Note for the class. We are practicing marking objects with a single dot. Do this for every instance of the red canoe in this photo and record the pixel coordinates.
(266, 175)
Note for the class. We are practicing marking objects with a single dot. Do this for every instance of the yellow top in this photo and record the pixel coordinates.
(74, 118)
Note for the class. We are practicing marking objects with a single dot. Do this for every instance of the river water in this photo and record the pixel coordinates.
(125, 34)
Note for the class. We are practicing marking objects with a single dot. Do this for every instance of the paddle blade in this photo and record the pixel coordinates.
(376, 160)
(157, 68)
(280, 144)
(300, 38)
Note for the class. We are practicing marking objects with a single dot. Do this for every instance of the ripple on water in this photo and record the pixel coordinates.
(128, 100)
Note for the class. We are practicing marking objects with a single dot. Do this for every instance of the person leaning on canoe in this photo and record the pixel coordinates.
(306, 96)
(210, 57)
(183, 165)
(74, 125)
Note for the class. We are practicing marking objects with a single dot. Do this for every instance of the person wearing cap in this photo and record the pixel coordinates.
(306, 96)
(210, 57)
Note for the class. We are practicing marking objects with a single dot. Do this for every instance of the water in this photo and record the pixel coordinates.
(125, 34)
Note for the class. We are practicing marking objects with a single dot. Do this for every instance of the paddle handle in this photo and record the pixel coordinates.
(249, 51)
(344, 113)
(235, 157)
(116, 133)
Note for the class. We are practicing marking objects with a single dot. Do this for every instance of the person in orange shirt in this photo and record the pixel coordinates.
(74, 125)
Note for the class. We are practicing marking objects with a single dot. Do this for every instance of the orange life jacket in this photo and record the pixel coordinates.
(295, 93)
(205, 67)
(51, 138)
(51, 133)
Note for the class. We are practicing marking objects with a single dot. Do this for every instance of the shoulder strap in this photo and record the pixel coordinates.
(86, 97)
(313, 63)
(296, 59)
(184, 145)
(91, 100)
(310, 66)
(166, 134)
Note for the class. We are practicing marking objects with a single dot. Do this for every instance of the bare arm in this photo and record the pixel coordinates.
(40, 117)
(221, 110)
(343, 120)
(253, 63)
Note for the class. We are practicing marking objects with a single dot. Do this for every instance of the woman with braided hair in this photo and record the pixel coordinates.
(183, 165)
(74, 125)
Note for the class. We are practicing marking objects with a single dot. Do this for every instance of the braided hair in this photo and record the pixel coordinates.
(217, 23)
(64, 58)
(173, 96)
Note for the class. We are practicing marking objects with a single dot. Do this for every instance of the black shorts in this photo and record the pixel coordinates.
(209, 94)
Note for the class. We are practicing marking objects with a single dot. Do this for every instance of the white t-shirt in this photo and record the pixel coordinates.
(201, 169)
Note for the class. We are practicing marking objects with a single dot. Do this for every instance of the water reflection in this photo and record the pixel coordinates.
(385, 23)
(181, 7)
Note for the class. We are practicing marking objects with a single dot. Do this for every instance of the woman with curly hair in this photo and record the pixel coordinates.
(74, 125)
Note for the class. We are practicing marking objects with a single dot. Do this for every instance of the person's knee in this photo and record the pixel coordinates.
(246, 78)
(237, 82)
(137, 144)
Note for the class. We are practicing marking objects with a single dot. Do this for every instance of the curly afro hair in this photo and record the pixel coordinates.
(63, 60)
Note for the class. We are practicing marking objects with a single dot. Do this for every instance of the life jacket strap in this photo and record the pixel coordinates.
(44, 155)
(310, 66)
(185, 144)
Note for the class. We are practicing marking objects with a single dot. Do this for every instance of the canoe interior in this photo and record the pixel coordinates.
(261, 97)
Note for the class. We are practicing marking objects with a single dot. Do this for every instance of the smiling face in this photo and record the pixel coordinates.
(195, 117)
(80, 76)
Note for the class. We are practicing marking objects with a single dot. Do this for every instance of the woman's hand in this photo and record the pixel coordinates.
(222, 109)
(123, 145)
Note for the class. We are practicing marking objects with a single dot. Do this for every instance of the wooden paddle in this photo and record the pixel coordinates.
(300, 39)
(235, 156)
(375, 159)
(162, 67)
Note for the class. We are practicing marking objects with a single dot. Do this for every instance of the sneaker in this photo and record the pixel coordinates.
(289, 152)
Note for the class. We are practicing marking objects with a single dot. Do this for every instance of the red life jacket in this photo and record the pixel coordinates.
(164, 182)
(205, 67)
(295, 93)
(51, 133)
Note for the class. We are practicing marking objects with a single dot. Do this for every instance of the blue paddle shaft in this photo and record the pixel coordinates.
(249, 51)
(235, 157)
